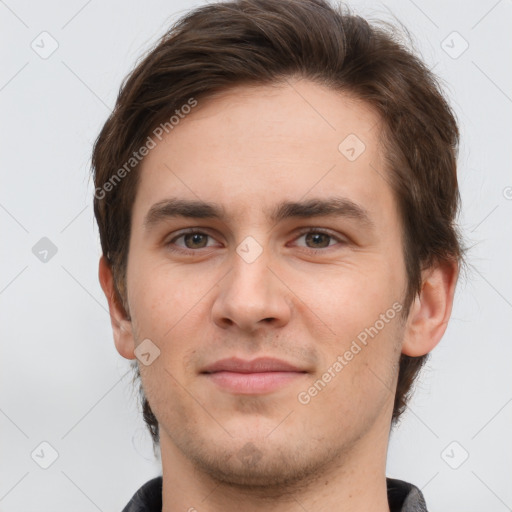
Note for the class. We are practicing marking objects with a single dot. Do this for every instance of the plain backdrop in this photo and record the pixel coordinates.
(63, 383)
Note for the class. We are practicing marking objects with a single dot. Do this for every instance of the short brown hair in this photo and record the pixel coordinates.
(265, 42)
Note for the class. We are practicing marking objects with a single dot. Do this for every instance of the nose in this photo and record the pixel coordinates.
(251, 296)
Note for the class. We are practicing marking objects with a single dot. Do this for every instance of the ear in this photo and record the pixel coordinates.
(431, 310)
(121, 325)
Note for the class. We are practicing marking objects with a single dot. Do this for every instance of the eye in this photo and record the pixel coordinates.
(192, 241)
(319, 238)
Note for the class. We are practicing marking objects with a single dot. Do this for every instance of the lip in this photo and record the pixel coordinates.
(259, 365)
(262, 375)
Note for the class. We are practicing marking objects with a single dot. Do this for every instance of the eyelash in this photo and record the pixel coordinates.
(194, 231)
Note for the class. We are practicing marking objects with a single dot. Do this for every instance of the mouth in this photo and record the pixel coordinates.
(262, 375)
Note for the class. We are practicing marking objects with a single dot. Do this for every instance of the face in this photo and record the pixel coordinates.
(320, 290)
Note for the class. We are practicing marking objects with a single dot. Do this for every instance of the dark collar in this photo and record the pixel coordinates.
(402, 497)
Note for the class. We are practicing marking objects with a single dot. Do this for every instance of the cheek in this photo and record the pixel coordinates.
(349, 299)
(161, 297)
(362, 315)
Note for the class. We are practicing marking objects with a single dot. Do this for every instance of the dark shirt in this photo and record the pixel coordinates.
(402, 497)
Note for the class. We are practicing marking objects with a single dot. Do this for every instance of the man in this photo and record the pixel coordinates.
(276, 192)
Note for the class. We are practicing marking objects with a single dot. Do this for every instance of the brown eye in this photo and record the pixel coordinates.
(319, 239)
(189, 242)
(195, 240)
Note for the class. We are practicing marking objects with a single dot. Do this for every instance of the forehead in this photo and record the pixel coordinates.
(248, 146)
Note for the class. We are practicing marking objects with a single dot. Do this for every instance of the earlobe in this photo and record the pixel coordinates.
(431, 310)
(121, 323)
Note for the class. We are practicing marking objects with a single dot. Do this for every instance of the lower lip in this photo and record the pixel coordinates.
(253, 383)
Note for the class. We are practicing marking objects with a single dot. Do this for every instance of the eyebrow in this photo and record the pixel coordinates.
(196, 209)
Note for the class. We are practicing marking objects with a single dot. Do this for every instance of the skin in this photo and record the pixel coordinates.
(303, 300)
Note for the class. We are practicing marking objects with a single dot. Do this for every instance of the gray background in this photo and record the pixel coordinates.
(62, 381)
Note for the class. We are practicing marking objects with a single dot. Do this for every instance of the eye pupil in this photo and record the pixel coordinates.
(315, 236)
(196, 238)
